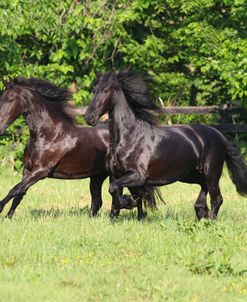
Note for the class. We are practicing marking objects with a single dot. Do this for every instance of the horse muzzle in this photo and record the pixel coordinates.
(91, 119)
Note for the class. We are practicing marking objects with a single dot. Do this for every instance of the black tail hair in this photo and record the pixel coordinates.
(150, 194)
(237, 168)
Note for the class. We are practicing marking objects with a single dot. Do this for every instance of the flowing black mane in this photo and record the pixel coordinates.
(57, 96)
(43, 87)
(136, 93)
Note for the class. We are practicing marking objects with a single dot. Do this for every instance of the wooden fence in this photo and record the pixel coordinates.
(225, 113)
(226, 125)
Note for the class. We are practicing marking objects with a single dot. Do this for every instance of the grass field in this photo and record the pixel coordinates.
(52, 250)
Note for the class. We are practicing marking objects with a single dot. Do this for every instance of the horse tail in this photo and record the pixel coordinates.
(237, 168)
(150, 195)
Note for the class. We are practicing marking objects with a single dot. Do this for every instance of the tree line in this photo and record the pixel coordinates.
(192, 52)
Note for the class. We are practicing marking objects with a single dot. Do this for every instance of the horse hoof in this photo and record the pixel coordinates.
(1, 207)
(126, 202)
(114, 214)
(201, 212)
(92, 214)
(142, 217)
(212, 216)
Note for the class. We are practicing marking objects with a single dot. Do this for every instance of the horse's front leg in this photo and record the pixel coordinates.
(115, 208)
(132, 179)
(116, 202)
(19, 190)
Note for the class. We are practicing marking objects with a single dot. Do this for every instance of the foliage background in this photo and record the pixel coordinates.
(195, 51)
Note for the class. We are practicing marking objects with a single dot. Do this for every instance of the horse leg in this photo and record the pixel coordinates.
(16, 201)
(21, 188)
(131, 179)
(115, 208)
(128, 202)
(137, 195)
(216, 200)
(96, 183)
(201, 207)
(119, 201)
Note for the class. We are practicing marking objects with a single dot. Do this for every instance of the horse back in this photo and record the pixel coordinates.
(183, 149)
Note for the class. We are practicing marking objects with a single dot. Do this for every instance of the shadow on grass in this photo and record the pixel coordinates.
(159, 215)
(153, 216)
(56, 213)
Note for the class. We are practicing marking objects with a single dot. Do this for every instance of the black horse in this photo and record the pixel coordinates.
(57, 148)
(144, 153)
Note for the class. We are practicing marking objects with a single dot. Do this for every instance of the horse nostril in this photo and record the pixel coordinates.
(91, 117)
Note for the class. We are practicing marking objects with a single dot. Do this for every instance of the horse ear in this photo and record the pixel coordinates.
(97, 73)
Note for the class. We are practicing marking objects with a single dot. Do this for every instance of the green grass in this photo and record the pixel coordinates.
(52, 250)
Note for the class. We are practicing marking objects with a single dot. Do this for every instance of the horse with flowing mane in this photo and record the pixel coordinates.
(144, 153)
(57, 148)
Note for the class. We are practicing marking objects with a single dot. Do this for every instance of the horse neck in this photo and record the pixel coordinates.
(122, 120)
(38, 115)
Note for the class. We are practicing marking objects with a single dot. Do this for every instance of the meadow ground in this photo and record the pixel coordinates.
(52, 250)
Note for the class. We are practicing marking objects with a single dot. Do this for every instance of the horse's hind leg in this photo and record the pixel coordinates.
(216, 198)
(96, 183)
(201, 207)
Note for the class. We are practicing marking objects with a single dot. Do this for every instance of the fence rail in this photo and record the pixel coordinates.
(196, 110)
(225, 113)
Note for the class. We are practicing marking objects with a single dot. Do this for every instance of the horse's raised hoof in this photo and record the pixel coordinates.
(113, 188)
(126, 202)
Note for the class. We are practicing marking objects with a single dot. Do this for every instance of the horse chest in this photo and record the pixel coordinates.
(115, 164)
(122, 159)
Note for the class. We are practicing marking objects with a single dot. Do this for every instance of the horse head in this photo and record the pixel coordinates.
(11, 105)
(102, 98)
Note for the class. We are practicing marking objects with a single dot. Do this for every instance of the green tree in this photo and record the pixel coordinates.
(196, 52)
